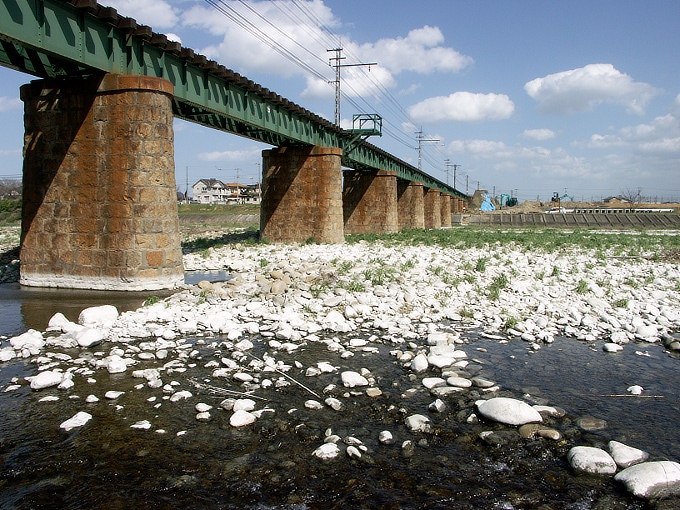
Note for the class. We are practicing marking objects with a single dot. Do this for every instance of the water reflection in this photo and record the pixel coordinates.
(23, 308)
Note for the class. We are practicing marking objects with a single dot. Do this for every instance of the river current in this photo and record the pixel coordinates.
(183, 463)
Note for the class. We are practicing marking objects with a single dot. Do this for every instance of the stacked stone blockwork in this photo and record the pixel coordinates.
(302, 195)
(99, 200)
(410, 204)
(370, 202)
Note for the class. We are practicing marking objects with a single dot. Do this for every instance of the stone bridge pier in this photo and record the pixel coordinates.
(99, 197)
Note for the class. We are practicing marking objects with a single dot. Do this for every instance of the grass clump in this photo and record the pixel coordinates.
(582, 287)
(499, 283)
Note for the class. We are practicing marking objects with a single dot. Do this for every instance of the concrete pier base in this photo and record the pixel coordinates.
(99, 198)
(369, 201)
(410, 204)
(432, 208)
(302, 195)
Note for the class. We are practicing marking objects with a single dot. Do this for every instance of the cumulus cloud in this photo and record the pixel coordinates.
(155, 13)
(420, 51)
(7, 104)
(582, 89)
(463, 107)
(269, 38)
(662, 136)
(539, 134)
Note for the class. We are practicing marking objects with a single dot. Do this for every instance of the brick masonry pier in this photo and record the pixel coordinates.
(302, 195)
(432, 208)
(410, 204)
(369, 201)
(99, 199)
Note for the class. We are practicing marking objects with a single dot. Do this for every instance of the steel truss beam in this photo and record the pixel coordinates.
(52, 38)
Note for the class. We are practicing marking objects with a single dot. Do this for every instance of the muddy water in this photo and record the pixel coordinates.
(182, 463)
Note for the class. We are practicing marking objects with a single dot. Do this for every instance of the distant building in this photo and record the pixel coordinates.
(214, 191)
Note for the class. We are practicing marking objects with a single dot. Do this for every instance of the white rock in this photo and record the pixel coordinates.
(103, 315)
(433, 382)
(202, 407)
(313, 404)
(78, 420)
(458, 382)
(385, 437)
(624, 455)
(418, 423)
(419, 363)
(651, 480)
(142, 425)
(6, 354)
(88, 337)
(59, 322)
(586, 459)
(244, 404)
(180, 395)
(333, 403)
(612, 347)
(113, 395)
(91, 399)
(32, 340)
(46, 379)
(241, 418)
(327, 451)
(351, 379)
(509, 411)
(635, 389)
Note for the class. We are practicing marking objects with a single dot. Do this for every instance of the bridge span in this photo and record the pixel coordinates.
(99, 206)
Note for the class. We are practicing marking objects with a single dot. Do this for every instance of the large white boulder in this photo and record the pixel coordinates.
(509, 411)
(624, 455)
(587, 459)
(103, 316)
(651, 480)
(46, 379)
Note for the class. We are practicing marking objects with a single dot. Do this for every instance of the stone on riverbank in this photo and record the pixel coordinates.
(509, 411)
(587, 459)
(651, 480)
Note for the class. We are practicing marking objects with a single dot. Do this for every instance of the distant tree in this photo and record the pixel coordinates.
(632, 196)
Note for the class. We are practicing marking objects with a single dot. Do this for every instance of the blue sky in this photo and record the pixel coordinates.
(528, 97)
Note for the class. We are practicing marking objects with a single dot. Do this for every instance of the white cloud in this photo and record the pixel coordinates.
(155, 13)
(420, 51)
(241, 155)
(463, 106)
(539, 134)
(662, 135)
(7, 104)
(582, 89)
(261, 36)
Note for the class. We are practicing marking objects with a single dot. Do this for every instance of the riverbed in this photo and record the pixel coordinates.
(281, 333)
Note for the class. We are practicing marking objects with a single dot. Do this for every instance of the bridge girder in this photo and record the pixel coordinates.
(52, 38)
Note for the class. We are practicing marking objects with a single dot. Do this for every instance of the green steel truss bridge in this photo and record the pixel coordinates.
(53, 38)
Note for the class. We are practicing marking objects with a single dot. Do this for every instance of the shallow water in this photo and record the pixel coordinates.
(106, 464)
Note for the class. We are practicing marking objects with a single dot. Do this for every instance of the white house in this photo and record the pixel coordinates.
(214, 191)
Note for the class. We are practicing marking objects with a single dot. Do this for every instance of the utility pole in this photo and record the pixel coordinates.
(455, 167)
(337, 66)
(421, 139)
(467, 178)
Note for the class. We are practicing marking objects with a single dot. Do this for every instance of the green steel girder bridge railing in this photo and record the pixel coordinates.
(53, 38)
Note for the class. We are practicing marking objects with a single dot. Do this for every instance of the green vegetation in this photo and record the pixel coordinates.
(582, 287)
(10, 212)
(498, 283)
(528, 239)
